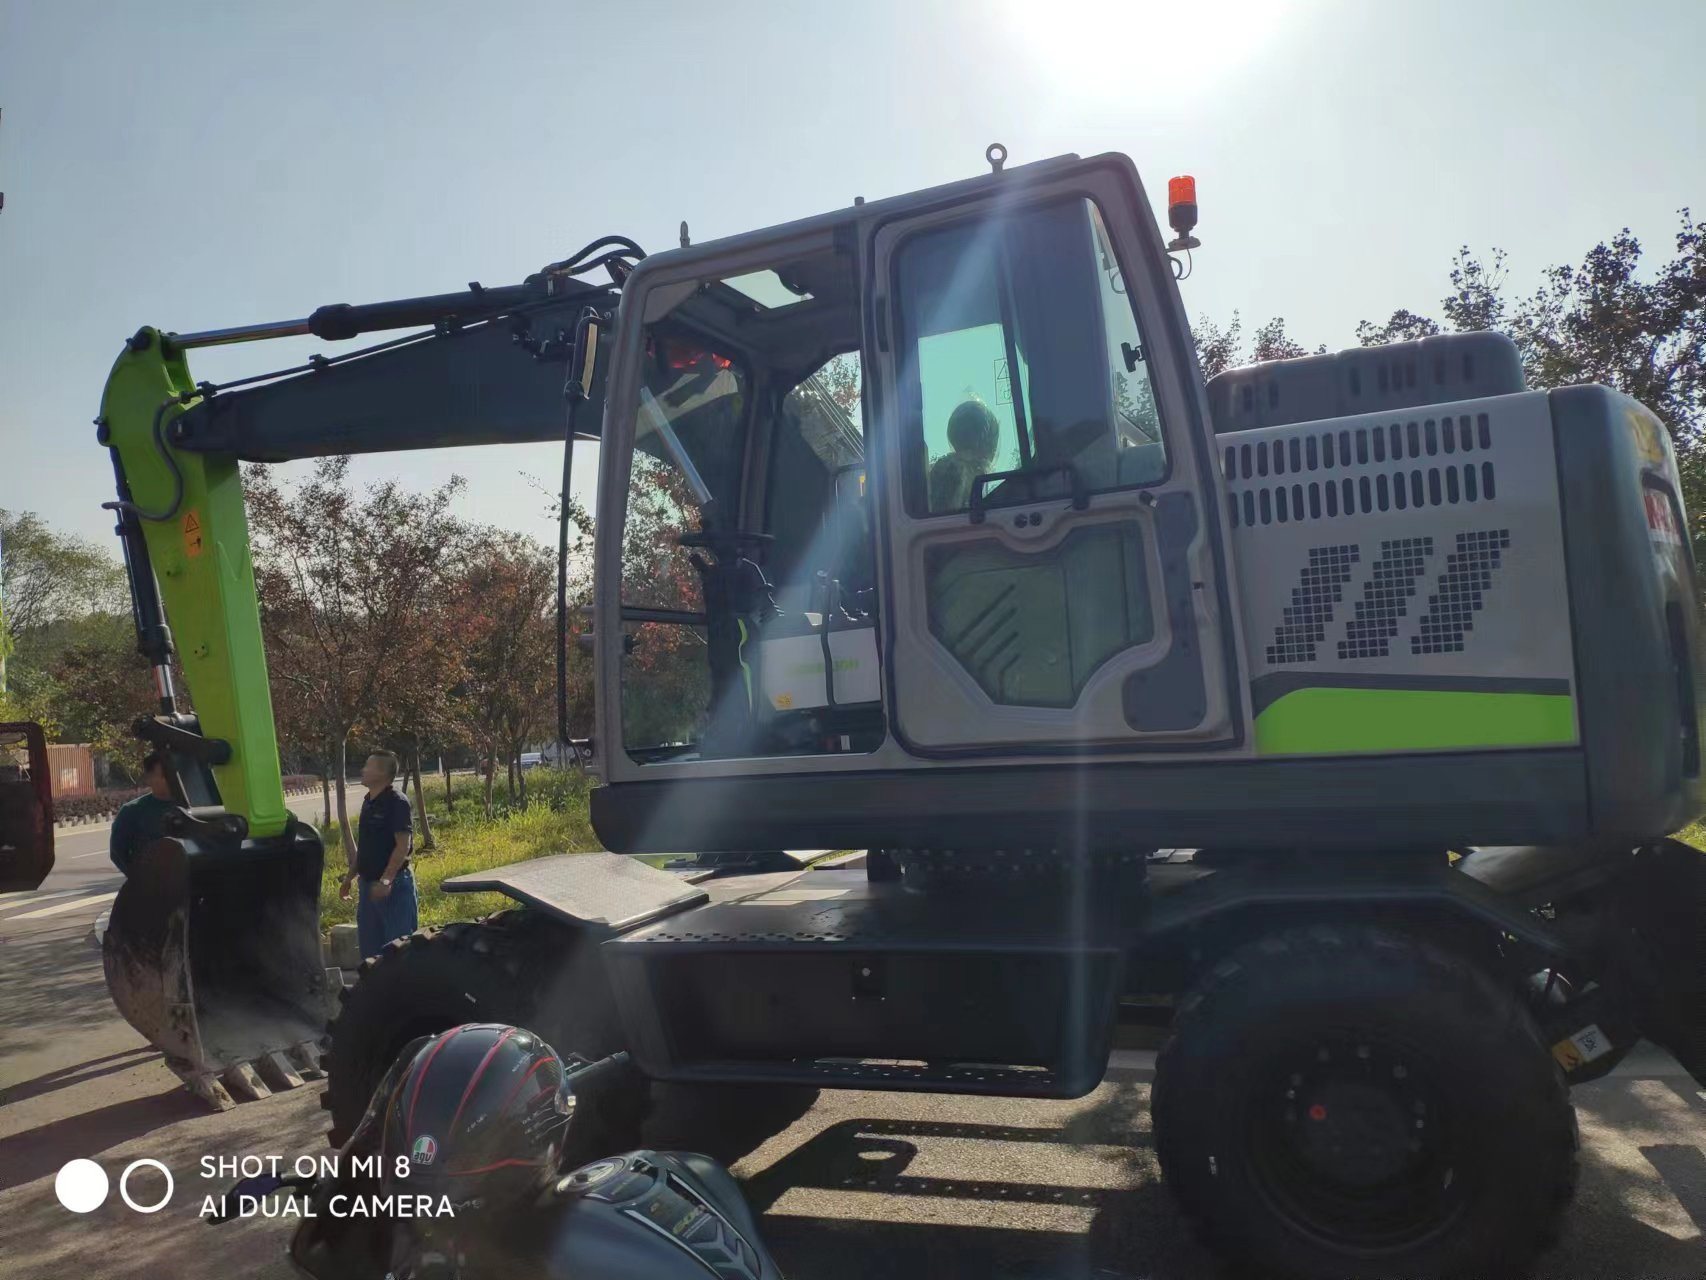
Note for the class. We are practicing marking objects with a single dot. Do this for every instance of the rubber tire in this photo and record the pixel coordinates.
(1487, 1055)
(514, 967)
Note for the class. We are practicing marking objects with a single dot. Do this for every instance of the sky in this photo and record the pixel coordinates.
(197, 165)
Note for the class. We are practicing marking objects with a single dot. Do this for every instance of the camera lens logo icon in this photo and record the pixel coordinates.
(82, 1186)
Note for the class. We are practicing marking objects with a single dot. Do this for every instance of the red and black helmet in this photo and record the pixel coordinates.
(479, 1112)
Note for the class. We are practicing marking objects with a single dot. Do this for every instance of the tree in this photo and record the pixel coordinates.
(347, 584)
(48, 577)
(666, 682)
(1273, 343)
(1218, 349)
(421, 709)
(504, 606)
(666, 689)
(1604, 321)
(1222, 348)
(31, 695)
(101, 685)
(72, 664)
(1403, 326)
(841, 379)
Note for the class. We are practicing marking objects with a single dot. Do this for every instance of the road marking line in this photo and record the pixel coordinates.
(63, 907)
(31, 898)
(37, 894)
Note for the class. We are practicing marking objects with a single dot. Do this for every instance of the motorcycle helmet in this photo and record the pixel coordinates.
(478, 1116)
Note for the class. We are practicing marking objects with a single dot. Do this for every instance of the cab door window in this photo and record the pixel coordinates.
(1022, 354)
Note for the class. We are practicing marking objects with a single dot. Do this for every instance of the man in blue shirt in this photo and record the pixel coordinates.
(139, 820)
(387, 908)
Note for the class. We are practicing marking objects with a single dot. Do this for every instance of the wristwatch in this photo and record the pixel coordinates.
(386, 881)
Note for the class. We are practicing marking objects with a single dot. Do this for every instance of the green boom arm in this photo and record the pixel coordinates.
(197, 539)
(491, 370)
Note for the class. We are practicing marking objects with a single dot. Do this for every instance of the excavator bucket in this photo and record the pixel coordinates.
(26, 809)
(213, 953)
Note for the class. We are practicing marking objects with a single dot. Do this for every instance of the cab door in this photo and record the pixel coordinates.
(1054, 552)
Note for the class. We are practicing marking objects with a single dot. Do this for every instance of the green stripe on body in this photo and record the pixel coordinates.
(1328, 721)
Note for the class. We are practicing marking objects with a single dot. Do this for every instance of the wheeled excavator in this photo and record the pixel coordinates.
(1336, 712)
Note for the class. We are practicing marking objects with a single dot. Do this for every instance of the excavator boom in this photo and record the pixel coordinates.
(186, 541)
(212, 951)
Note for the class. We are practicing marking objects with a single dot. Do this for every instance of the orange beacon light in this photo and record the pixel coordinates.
(1182, 211)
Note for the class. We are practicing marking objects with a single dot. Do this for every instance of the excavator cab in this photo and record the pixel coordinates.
(923, 482)
(26, 808)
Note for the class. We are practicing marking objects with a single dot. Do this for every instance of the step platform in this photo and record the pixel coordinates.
(601, 893)
(829, 979)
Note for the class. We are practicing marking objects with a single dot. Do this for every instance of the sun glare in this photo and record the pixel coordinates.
(1140, 50)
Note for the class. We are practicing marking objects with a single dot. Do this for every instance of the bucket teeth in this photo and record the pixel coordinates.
(306, 1057)
(207, 1087)
(277, 1071)
(244, 1083)
(268, 1074)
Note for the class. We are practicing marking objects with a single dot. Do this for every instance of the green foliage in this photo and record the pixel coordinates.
(100, 684)
(554, 821)
(71, 660)
(504, 609)
(31, 695)
(47, 577)
(349, 584)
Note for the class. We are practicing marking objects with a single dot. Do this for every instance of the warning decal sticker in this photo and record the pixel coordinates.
(192, 533)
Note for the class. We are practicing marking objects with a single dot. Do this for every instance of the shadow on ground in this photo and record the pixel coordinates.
(47, 995)
(37, 1152)
(1133, 1228)
(82, 1073)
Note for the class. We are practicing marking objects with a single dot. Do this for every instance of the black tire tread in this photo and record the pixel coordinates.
(1329, 948)
(509, 956)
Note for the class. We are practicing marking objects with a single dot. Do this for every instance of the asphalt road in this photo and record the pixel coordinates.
(858, 1184)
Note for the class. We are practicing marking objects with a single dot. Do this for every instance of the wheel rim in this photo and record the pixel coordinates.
(1352, 1141)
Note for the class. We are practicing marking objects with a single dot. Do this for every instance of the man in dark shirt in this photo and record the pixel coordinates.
(139, 820)
(387, 907)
